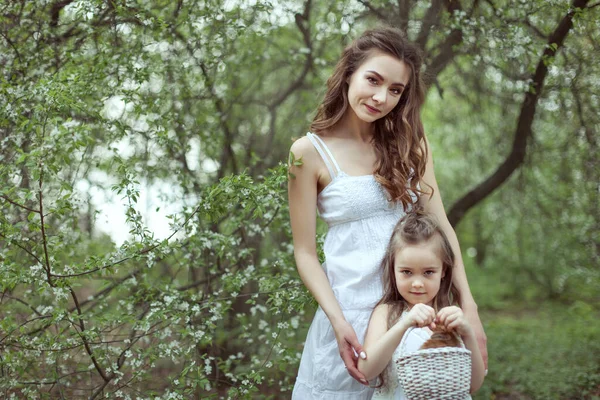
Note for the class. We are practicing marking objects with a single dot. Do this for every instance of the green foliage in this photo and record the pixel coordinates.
(193, 104)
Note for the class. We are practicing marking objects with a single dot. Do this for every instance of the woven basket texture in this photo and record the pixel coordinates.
(431, 374)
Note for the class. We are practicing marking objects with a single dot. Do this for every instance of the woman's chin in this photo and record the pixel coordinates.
(365, 116)
(369, 118)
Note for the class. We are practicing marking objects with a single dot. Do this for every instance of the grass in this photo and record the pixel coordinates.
(542, 351)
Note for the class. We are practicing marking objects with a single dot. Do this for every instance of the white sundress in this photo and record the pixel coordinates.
(360, 220)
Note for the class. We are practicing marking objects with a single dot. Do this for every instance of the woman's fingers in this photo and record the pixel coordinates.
(358, 348)
(350, 363)
(350, 350)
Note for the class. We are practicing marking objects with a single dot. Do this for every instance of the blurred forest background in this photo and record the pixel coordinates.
(185, 110)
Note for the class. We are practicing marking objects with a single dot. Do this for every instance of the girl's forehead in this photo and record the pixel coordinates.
(432, 244)
(426, 253)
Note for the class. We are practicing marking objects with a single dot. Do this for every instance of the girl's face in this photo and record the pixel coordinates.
(419, 272)
(376, 86)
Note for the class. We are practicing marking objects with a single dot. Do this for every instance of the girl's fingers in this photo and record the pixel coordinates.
(422, 315)
(453, 325)
(451, 318)
(441, 318)
(447, 315)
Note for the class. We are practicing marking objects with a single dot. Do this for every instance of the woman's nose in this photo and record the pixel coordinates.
(380, 96)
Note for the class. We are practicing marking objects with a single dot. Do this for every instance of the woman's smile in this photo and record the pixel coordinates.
(372, 110)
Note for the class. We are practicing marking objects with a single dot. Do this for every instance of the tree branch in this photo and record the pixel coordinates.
(403, 14)
(18, 205)
(55, 10)
(447, 48)
(25, 249)
(524, 124)
(303, 24)
(88, 349)
(42, 223)
(378, 13)
(431, 18)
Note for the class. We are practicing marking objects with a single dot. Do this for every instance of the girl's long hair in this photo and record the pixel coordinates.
(399, 138)
(416, 228)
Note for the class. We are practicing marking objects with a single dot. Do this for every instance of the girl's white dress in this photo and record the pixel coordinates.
(391, 390)
(360, 220)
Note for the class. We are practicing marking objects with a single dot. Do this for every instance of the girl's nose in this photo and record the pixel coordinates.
(417, 283)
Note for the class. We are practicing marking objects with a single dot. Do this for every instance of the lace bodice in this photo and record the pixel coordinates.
(360, 220)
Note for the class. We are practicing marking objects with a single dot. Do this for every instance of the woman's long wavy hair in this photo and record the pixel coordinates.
(399, 138)
(415, 228)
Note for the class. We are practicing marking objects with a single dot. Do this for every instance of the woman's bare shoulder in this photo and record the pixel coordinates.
(302, 147)
(303, 150)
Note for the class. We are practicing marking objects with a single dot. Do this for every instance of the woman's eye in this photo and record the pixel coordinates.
(372, 80)
(397, 92)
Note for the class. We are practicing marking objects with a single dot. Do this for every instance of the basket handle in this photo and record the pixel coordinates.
(402, 344)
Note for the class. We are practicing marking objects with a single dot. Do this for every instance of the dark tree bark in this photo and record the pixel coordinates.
(523, 130)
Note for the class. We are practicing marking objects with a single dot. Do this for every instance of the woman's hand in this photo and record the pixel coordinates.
(473, 318)
(453, 319)
(350, 348)
(421, 315)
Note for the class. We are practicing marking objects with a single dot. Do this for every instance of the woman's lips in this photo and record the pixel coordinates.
(372, 110)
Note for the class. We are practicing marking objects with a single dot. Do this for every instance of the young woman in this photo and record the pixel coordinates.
(366, 163)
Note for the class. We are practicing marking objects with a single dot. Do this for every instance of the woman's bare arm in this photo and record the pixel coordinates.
(302, 197)
(433, 204)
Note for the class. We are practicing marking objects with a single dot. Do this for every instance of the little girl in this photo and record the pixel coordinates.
(418, 292)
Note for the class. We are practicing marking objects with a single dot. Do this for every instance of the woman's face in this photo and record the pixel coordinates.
(376, 86)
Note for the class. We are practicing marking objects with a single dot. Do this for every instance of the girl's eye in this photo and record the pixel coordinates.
(397, 92)
(405, 272)
(372, 80)
(428, 272)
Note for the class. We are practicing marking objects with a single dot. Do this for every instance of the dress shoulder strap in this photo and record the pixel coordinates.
(325, 153)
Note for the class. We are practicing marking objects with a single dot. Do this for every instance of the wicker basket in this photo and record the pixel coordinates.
(441, 373)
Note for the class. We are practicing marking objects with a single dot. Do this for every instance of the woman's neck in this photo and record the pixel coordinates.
(352, 126)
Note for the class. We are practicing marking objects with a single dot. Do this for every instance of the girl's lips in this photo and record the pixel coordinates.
(372, 109)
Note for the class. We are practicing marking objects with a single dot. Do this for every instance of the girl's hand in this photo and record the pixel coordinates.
(349, 349)
(421, 315)
(454, 320)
